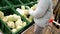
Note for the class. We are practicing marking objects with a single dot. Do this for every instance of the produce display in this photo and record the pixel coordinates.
(34, 7)
(13, 21)
(24, 11)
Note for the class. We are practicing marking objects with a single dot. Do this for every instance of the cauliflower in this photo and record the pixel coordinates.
(1, 15)
(27, 7)
(24, 24)
(18, 27)
(23, 7)
(25, 16)
(30, 20)
(10, 18)
(23, 11)
(26, 12)
(5, 19)
(14, 30)
(13, 17)
(30, 17)
(20, 11)
(34, 7)
(18, 22)
(16, 17)
(11, 24)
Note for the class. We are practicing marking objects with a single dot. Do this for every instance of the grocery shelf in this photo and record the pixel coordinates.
(9, 7)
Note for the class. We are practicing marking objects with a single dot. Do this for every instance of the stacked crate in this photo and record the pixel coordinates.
(8, 7)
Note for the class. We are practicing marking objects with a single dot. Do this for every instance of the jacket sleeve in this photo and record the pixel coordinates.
(41, 9)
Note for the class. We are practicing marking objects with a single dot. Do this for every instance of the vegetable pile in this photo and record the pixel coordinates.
(24, 11)
(13, 21)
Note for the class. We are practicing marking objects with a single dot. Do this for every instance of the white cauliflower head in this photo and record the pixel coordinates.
(10, 18)
(18, 27)
(1, 15)
(23, 7)
(18, 22)
(20, 11)
(30, 17)
(34, 7)
(14, 30)
(5, 19)
(13, 17)
(16, 17)
(24, 24)
(26, 12)
(11, 24)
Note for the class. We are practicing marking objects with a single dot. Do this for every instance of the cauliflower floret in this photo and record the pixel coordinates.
(14, 30)
(30, 17)
(30, 20)
(13, 17)
(25, 16)
(24, 24)
(18, 27)
(5, 19)
(23, 11)
(1, 15)
(10, 18)
(26, 12)
(16, 17)
(11, 24)
(23, 7)
(20, 11)
(34, 7)
(18, 22)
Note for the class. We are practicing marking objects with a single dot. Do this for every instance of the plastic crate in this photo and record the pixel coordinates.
(8, 7)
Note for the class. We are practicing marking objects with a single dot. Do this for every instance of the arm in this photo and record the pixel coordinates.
(41, 9)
